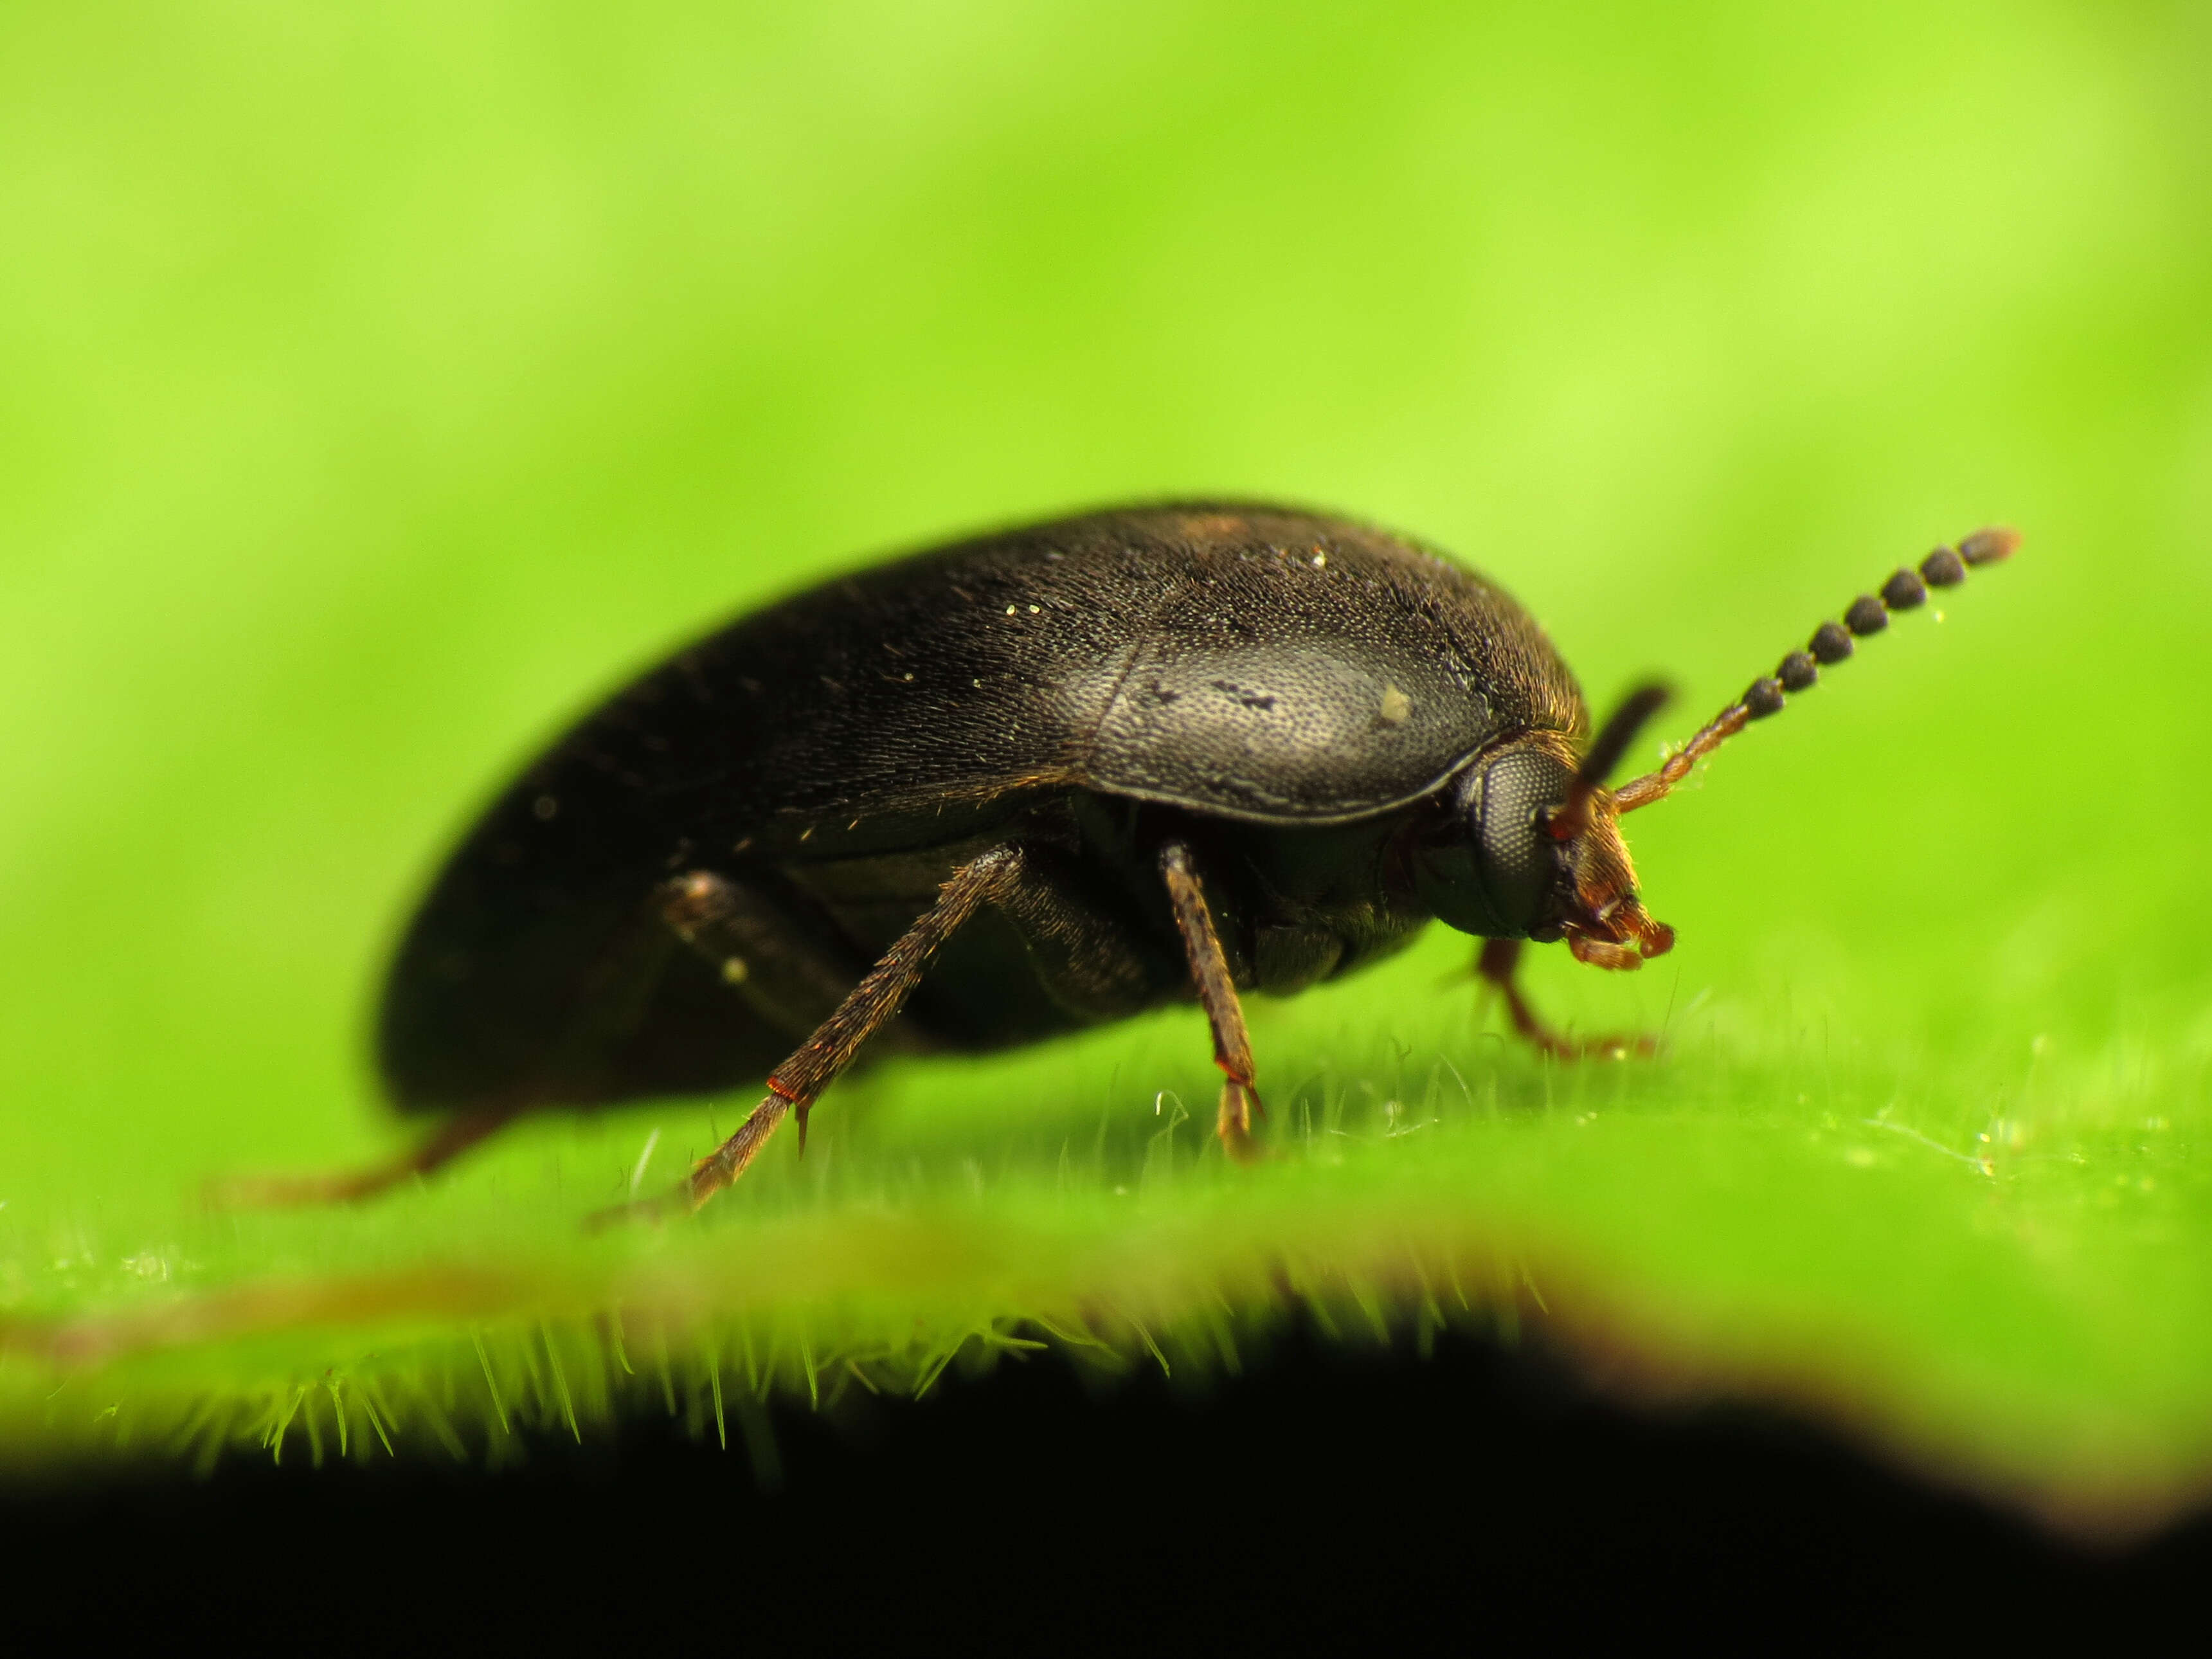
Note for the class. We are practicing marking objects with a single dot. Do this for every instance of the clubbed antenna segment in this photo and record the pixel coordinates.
(1831, 644)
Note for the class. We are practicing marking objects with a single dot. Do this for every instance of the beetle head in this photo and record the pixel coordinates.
(1534, 851)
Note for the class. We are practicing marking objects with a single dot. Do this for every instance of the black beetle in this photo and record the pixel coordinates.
(1073, 771)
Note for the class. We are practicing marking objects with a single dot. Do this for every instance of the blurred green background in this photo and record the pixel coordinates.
(377, 389)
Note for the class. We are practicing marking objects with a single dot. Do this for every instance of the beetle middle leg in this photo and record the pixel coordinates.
(1217, 994)
(1499, 960)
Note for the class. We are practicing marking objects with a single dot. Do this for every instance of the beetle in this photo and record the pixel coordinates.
(995, 791)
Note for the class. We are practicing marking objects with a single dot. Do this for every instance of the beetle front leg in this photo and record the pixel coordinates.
(1217, 995)
(795, 1085)
(1497, 964)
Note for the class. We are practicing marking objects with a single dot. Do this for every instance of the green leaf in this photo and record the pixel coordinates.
(376, 391)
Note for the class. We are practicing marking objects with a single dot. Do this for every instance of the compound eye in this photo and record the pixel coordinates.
(1518, 860)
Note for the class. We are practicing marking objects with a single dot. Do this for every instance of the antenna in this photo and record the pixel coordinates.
(1831, 644)
(1572, 816)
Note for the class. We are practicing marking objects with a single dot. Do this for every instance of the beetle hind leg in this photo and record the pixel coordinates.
(443, 1144)
(1217, 994)
(1496, 966)
(795, 1085)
